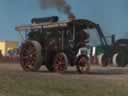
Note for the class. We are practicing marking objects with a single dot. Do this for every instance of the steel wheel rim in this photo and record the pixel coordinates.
(59, 63)
(82, 65)
(28, 56)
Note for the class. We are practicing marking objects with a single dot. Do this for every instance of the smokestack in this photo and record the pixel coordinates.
(71, 18)
(61, 5)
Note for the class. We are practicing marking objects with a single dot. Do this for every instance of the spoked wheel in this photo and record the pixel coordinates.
(30, 56)
(60, 62)
(82, 64)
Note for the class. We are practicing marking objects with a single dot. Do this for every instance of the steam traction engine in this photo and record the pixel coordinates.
(55, 44)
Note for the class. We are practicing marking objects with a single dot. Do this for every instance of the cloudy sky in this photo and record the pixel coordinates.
(112, 15)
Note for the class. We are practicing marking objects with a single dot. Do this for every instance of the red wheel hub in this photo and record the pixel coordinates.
(59, 63)
(82, 61)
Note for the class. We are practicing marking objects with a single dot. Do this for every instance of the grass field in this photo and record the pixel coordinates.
(14, 82)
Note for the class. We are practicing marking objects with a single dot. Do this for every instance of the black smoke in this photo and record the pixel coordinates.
(61, 5)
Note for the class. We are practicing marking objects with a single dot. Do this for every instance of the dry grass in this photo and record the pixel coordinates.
(14, 82)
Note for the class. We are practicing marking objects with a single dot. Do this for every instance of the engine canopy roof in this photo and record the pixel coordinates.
(78, 24)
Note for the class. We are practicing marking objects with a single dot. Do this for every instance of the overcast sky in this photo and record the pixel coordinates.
(112, 15)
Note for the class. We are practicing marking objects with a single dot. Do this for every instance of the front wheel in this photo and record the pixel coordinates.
(103, 60)
(60, 62)
(114, 60)
(119, 60)
(82, 64)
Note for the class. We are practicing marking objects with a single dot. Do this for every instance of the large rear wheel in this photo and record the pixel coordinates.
(30, 56)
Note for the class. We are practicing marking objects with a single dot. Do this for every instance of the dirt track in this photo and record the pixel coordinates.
(96, 72)
(110, 73)
(100, 82)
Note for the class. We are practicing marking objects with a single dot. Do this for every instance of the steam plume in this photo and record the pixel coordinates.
(60, 5)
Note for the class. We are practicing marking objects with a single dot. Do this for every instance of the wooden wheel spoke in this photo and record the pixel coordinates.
(30, 55)
(32, 51)
(60, 63)
(82, 65)
(59, 58)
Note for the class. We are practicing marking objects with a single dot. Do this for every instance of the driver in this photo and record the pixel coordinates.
(83, 38)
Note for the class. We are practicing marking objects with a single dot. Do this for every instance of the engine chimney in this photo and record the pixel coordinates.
(71, 18)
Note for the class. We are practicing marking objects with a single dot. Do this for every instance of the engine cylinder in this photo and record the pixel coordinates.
(45, 19)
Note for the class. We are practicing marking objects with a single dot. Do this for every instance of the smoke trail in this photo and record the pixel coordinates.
(60, 5)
